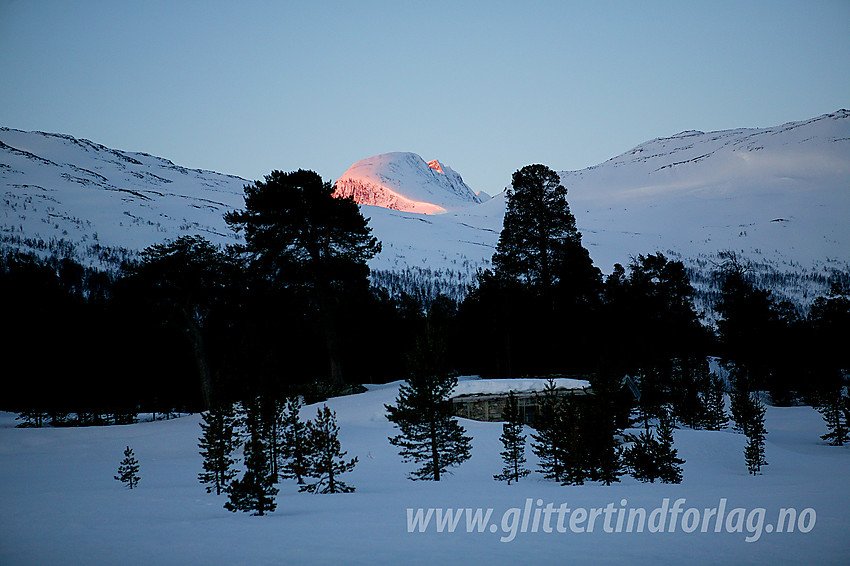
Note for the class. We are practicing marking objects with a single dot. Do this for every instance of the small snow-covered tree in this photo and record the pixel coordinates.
(32, 418)
(513, 442)
(429, 433)
(558, 440)
(255, 492)
(600, 438)
(125, 416)
(651, 456)
(744, 409)
(835, 409)
(547, 437)
(715, 417)
(296, 442)
(669, 464)
(217, 443)
(641, 456)
(689, 376)
(128, 469)
(272, 414)
(326, 461)
(754, 450)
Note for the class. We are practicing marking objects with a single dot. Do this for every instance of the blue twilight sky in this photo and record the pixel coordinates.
(486, 87)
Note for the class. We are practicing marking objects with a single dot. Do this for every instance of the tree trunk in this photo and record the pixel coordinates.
(200, 355)
(435, 454)
(331, 340)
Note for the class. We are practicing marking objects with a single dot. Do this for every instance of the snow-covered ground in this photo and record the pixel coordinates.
(60, 505)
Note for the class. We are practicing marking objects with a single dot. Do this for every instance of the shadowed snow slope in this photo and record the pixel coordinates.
(58, 187)
(777, 195)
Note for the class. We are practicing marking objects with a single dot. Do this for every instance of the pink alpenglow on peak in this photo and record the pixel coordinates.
(404, 181)
(435, 165)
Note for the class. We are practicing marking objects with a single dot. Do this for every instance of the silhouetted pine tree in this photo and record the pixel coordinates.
(651, 318)
(217, 442)
(537, 229)
(326, 461)
(747, 324)
(513, 442)
(301, 237)
(185, 280)
(542, 276)
(128, 470)
(830, 333)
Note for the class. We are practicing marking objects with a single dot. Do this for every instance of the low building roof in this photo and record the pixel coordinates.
(504, 386)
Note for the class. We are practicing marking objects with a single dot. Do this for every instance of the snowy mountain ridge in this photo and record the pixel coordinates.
(88, 198)
(779, 197)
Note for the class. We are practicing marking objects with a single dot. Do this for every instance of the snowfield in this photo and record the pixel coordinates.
(60, 505)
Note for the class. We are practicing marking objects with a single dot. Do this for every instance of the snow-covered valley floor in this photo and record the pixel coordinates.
(59, 503)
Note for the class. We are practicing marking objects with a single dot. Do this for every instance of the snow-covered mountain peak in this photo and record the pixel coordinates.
(404, 181)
